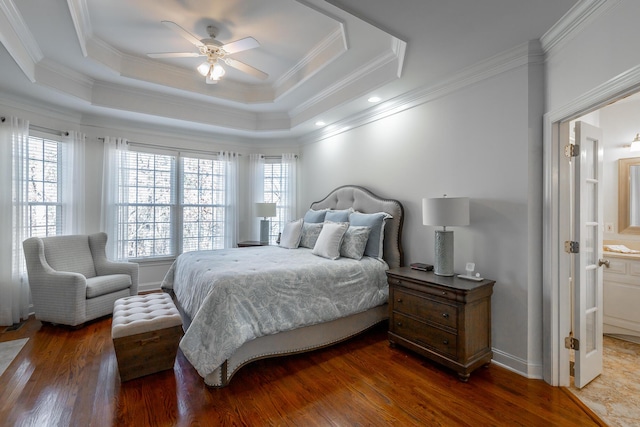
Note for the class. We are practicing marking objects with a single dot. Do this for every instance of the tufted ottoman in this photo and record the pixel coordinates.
(146, 330)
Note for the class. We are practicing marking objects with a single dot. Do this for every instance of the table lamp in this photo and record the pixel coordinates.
(445, 211)
(265, 210)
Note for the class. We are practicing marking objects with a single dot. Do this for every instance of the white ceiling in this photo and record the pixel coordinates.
(323, 58)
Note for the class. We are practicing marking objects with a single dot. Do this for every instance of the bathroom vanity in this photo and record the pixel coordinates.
(621, 292)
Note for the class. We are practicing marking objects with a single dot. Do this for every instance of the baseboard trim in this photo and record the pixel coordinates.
(517, 365)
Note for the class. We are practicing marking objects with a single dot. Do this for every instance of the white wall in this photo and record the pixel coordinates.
(481, 142)
(605, 49)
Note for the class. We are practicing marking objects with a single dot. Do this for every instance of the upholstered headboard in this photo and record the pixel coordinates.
(363, 200)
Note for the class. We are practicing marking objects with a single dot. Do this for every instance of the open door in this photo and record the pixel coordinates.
(587, 267)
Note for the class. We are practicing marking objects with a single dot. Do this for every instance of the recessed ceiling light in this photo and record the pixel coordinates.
(320, 123)
(374, 99)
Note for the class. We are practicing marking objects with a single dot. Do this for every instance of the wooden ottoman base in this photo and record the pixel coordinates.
(146, 331)
(147, 353)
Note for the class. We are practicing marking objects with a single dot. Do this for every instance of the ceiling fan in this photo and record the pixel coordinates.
(215, 52)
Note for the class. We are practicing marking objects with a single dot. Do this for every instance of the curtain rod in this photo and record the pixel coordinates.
(42, 129)
(161, 147)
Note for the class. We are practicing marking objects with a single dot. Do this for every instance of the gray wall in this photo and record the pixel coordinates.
(484, 142)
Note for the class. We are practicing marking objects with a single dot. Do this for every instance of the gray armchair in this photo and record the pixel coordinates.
(71, 279)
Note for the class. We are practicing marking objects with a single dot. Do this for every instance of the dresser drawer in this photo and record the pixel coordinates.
(427, 309)
(424, 335)
(428, 290)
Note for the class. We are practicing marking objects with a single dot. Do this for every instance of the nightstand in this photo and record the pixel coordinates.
(249, 243)
(446, 319)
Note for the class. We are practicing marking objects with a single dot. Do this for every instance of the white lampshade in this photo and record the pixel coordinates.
(445, 211)
(204, 68)
(265, 210)
(217, 71)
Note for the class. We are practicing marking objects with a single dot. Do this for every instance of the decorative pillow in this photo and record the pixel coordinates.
(314, 216)
(310, 233)
(376, 221)
(355, 241)
(338, 216)
(291, 234)
(329, 240)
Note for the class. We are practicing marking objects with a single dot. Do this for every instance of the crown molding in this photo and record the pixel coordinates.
(330, 48)
(37, 107)
(521, 55)
(342, 86)
(580, 16)
(18, 40)
(56, 76)
(81, 22)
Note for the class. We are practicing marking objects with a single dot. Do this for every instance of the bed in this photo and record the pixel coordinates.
(244, 304)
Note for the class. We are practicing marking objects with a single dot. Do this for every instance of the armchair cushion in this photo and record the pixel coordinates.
(102, 285)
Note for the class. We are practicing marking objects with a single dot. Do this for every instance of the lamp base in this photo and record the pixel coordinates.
(264, 231)
(444, 253)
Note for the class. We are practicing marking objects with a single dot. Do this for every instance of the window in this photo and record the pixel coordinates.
(147, 208)
(153, 223)
(276, 179)
(203, 210)
(44, 193)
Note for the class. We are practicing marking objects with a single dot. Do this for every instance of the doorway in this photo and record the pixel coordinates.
(556, 266)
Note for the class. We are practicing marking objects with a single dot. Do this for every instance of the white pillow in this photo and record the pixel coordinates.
(291, 234)
(330, 239)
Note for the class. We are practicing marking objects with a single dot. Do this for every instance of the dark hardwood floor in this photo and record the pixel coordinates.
(69, 378)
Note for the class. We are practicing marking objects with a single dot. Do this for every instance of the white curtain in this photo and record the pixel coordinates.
(231, 195)
(14, 287)
(112, 176)
(289, 163)
(73, 177)
(256, 192)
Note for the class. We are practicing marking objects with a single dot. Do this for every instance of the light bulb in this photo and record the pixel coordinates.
(204, 68)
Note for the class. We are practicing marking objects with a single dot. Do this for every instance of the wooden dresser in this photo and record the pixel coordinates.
(446, 319)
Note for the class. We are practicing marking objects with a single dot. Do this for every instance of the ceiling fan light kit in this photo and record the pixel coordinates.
(214, 51)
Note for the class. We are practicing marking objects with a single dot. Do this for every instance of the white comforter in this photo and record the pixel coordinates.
(236, 295)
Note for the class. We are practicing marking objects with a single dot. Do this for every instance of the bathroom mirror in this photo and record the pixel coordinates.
(629, 195)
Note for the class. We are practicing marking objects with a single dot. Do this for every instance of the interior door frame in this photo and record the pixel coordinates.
(556, 316)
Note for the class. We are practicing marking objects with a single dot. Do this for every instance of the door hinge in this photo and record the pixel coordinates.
(571, 247)
(572, 343)
(571, 150)
(572, 369)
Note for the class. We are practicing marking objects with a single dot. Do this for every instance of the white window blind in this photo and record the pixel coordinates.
(276, 178)
(44, 194)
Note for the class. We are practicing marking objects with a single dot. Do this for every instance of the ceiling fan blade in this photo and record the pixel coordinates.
(174, 55)
(240, 45)
(246, 68)
(184, 33)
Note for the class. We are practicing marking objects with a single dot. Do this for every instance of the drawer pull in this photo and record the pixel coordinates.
(445, 315)
(444, 292)
(399, 300)
(445, 342)
(399, 323)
